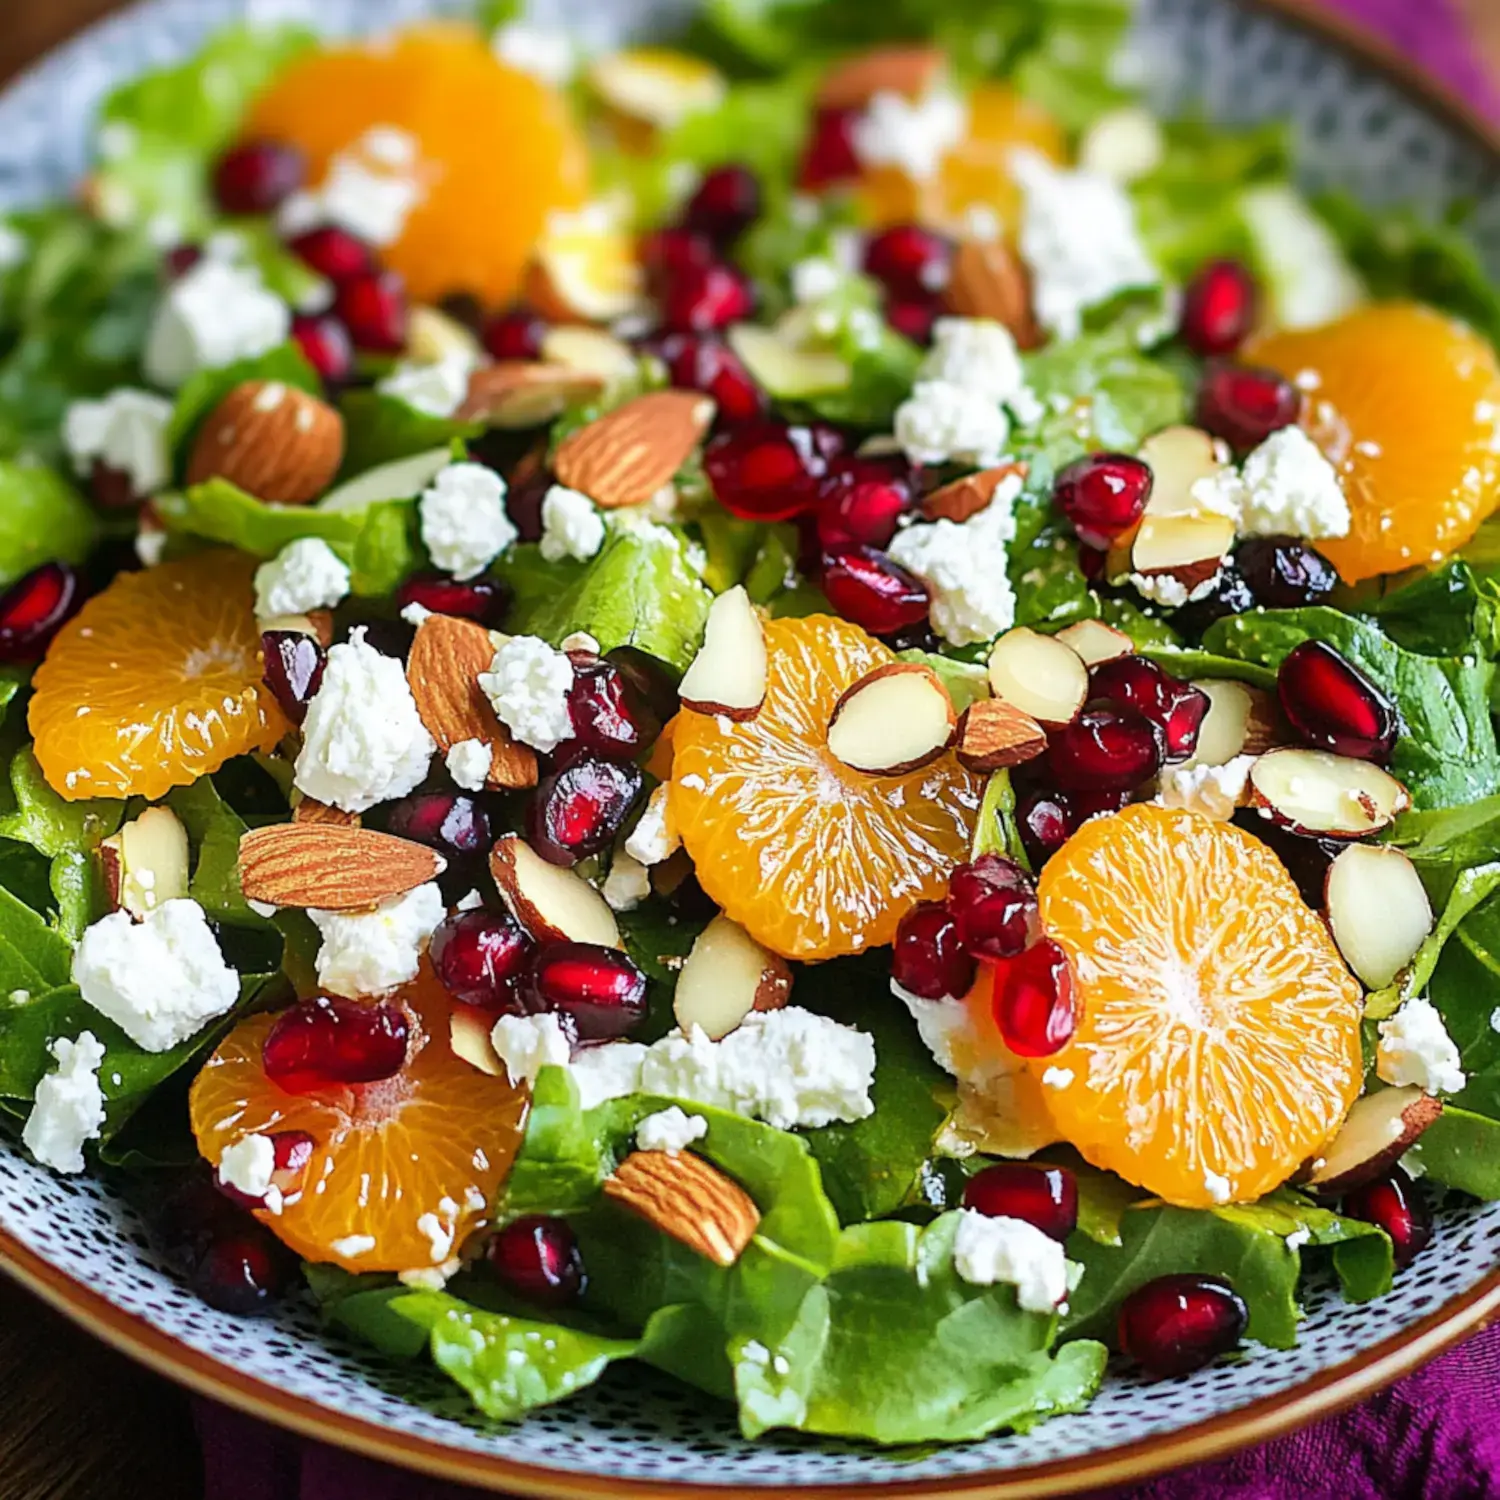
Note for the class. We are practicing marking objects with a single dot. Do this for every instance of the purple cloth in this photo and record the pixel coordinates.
(1435, 1435)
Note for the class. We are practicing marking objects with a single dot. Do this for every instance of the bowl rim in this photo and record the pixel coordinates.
(1322, 1394)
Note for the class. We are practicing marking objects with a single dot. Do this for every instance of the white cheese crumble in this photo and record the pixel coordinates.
(528, 684)
(1057, 1078)
(437, 388)
(1415, 1048)
(627, 884)
(1217, 1187)
(469, 763)
(943, 423)
(439, 1236)
(980, 355)
(610, 1071)
(671, 1130)
(912, 135)
(352, 1246)
(210, 317)
(305, 574)
(988, 1250)
(465, 526)
(371, 189)
(651, 841)
(371, 952)
(815, 278)
(248, 1165)
(1291, 489)
(1214, 791)
(571, 525)
(548, 54)
(127, 431)
(527, 1044)
(69, 1105)
(160, 980)
(1160, 589)
(1124, 145)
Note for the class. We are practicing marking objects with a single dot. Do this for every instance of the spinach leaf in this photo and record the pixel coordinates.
(214, 831)
(42, 519)
(1452, 612)
(1050, 586)
(1465, 987)
(379, 429)
(1192, 664)
(1459, 1150)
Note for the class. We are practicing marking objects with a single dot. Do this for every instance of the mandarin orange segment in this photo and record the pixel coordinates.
(436, 1140)
(1218, 1045)
(814, 859)
(156, 682)
(499, 150)
(1406, 402)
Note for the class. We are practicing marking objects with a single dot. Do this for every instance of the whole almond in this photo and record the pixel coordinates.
(688, 1198)
(908, 71)
(517, 393)
(442, 671)
(271, 440)
(993, 734)
(968, 496)
(989, 280)
(628, 454)
(331, 868)
(310, 810)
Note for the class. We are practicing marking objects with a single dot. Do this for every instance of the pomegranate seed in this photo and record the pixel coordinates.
(537, 1258)
(928, 958)
(865, 586)
(669, 254)
(650, 687)
(727, 203)
(179, 260)
(994, 905)
(481, 599)
(34, 608)
(913, 320)
(328, 1041)
(523, 502)
(326, 345)
(578, 810)
(864, 512)
(1230, 595)
(697, 363)
(479, 957)
(601, 990)
(1035, 1005)
(707, 297)
(1103, 495)
(1244, 405)
(1284, 572)
(257, 177)
(515, 334)
(292, 1152)
(765, 471)
(244, 1273)
(1396, 1205)
(609, 718)
(374, 309)
(294, 665)
(913, 264)
(1045, 1197)
(1177, 708)
(1177, 1324)
(1106, 748)
(1046, 823)
(829, 156)
(333, 253)
(1091, 561)
(451, 822)
(1334, 706)
(1219, 308)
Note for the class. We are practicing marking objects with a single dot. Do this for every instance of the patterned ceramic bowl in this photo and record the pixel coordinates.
(1364, 124)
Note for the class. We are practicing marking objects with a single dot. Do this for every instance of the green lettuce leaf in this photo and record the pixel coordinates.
(42, 519)
(214, 831)
(1068, 66)
(1454, 611)
(1464, 987)
(378, 429)
(1460, 1150)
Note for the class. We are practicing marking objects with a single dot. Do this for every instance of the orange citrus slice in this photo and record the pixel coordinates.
(1407, 403)
(400, 1169)
(156, 682)
(1218, 1046)
(813, 858)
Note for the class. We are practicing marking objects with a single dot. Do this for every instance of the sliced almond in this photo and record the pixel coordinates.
(310, 810)
(789, 373)
(1040, 675)
(515, 394)
(895, 719)
(433, 337)
(585, 276)
(398, 480)
(911, 72)
(1188, 548)
(655, 85)
(590, 351)
(968, 496)
(442, 669)
(725, 977)
(328, 868)
(1331, 796)
(688, 1198)
(317, 624)
(1241, 720)
(271, 440)
(1379, 1130)
(469, 1036)
(1095, 642)
(146, 863)
(554, 905)
(1179, 457)
(1378, 911)
(628, 454)
(989, 280)
(728, 675)
(993, 735)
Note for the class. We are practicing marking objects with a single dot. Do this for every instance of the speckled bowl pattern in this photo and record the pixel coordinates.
(78, 1242)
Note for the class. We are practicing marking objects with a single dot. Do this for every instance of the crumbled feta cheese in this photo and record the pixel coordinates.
(963, 564)
(416, 615)
(248, 1165)
(439, 1236)
(1217, 1187)
(371, 189)
(469, 763)
(670, 1130)
(527, 1044)
(1291, 489)
(610, 1071)
(988, 1250)
(363, 740)
(215, 314)
(815, 278)
(69, 1105)
(627, 884)
(127, 431)
(912, 135)
(1214, 791)
(528, 683)
(1057, 1078)
(1123, 145)
(464, 522)
(371, 952)
(305, 574)
(160, 980)
(651, 841)
(1415, 1048)
(1167, 592)
(1079, 239)
(431, 1278)
(437, 388)
(548, 54)
(943, 423)
(978, 354)
(352, 1246)
(571, 525)
(150, 542)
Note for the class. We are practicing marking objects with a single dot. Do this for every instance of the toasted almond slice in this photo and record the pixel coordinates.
(895, 719)
(398, 480)
(787, 372)
(1094, 641)
(909, 71)
(554, 905)
(1379, 1130)
(310, 810)
(1241, 720)
(443, 670)
(968, 496)
(590, 351)
(1189, 548)
(989, 280)
(272, 440)
(145, 864)
(1331, 796)
(328, 868)
(993, 734)
(469, 1036)
(1179, 457)
(628, 454)
(688, 1198)
(728, 675)
(1039, 674)
(1378, 911)
(585, 276)
(515, 394)
(725, 977)
(656, 85)
(433, 336)
(317, 623)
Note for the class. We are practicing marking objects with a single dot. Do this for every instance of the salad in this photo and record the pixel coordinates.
(812, 706)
